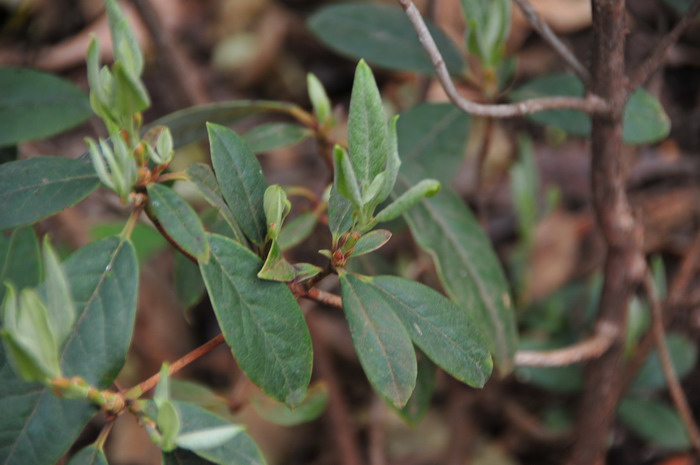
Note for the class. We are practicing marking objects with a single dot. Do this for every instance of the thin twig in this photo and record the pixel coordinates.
(176, 366)
(656, 57)
(590, 104)
(674, 386)
(551, 38)
(591, 348)
(324, 297)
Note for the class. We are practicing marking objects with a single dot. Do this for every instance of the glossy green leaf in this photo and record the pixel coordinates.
(33, 189)
(179, 220)
(684, 354)
(466, 264)
(644, 120)
(90, 455)
(20, 261)
(311, 408)
(241, 180)
(239, 450)
(261, 321)
(189, 125)
(434, 135)
(202, 176)
(417, 406)
(371, 241)
(296, 230)
(35, 104)
(368, 135)
(39, 427)
(656, 422)
(382, 343)
(446, 333)
(270, 136)
(147, 241)
(382, 35)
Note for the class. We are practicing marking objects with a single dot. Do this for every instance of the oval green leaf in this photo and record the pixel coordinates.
(33, 189)
(382, 35)
(36, 425)
(179, 220)
(261, 321)
(684, 355)
(35, 104)
(241, 180)
(270, 136)
(20, 260)
(466, 264)
(655, 422)
(381, 340)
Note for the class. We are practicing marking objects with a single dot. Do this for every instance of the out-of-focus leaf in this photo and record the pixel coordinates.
(179, 220)
(566, 379)
(147, 241)
(644, 120)
(434, 135)
(295, 231)
(684, 354)
(261, 321)
(656, 422)
(270, 136)
(189, 125)
(91, 455)
(189, 286)
(35, 104)
(20, 261)
(382, 35)
(311, 407)
(416, 407)
(38, 187)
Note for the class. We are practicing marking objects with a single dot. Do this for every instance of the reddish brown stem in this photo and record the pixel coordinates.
(324, 297)
(176, 366)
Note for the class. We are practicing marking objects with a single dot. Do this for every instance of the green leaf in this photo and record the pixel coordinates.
(189, 125)
(34, 105)
(179, 220)
(340, 213)
(345, 177)
(434, 135)
(168, 422)
(684, 354)
(33, 189)
(241, 180)
(239, 450)
(39, 427)
(90, 455)
(20, 261)
(261, 321)
(277, 206)
(371, 241)
(446, 333)
(304, 271)
(276, 267)
(189, 286)
(147, 241)
(184, 457)
(655, 422)
(404, 202)
(319, 99)
(59, 301)
(381, 34)
(204, 180)
(297, 230)
(489, 25)
(680, 6)
(208, 438)
(270, 136)
(417, 406)
(200, 395)
(644, 120)
(124, 43)
(368, 135)
(466, 264)
(311, 408)
(381, 340)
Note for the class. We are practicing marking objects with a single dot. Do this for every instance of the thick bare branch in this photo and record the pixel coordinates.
(551, 38)
(656, 57)
(590, 104)
(591, 348)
